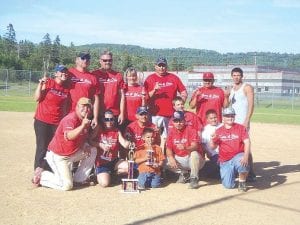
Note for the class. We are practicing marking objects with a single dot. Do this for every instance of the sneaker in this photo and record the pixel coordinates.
(251, 177)
(37, 176)
(242, 187)
(193, 183)
(183, 178)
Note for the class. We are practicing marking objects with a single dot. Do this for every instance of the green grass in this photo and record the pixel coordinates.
(279, 116)
(17, 103)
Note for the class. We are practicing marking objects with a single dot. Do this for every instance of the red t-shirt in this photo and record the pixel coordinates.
(212, 98)
(190, 120)
(111, 137)
(84, 84)
(161, 102)
(133, 100)
(230, 141)
(135, 132)
(110, 85)
(51, 106)
(59, 144)
(185, 136)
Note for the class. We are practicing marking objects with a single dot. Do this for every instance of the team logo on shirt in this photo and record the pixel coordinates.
(229, 137)
(58, 93)
(81, 80)
(107, 80)
(210, 96)
(133, 94)
(180, 141)
(165, 84)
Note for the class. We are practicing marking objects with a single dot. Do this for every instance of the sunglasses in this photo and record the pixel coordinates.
(208, 80)
(85, 58)
(178, 121)
(109, 119)
(161, 65)
(106, 60)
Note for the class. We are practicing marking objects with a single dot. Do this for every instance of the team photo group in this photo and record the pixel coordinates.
(102, 127)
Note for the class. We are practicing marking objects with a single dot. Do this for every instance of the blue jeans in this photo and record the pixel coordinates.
(229, 169)
(149, 180)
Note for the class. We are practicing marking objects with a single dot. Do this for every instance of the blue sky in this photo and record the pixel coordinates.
(223, 26)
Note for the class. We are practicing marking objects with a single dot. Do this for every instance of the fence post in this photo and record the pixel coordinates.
(29, 83)
(6, 82)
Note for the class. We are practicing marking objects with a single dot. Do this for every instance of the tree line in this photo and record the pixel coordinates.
(26, 55)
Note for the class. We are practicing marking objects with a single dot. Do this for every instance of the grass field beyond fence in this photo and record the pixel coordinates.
(261, 114)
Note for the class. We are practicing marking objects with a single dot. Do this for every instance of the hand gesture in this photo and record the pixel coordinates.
(85, 121)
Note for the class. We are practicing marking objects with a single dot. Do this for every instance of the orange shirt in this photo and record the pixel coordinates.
(158, 157)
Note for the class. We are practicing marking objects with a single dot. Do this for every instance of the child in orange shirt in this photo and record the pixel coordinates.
(150, 159)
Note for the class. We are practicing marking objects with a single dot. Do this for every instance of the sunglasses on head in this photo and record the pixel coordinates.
(85, 58)
(106, 60)
(109, 119)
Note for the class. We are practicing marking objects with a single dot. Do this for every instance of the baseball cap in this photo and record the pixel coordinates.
(84, 55)
(161, 60)
(208, 76)
(228, 111)
(141, 109)
(178, 115)
(84, 101)
(60, 68)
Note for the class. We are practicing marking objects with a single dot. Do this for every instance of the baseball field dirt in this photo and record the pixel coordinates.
(273, 199)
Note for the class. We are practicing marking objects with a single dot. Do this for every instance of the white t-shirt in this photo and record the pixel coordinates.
(208, 130)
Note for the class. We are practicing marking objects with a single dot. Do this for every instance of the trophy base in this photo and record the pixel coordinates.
(130, 186)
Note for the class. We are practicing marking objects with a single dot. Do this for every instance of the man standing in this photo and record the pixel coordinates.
(162, 87)
(241, 98)
(69, 145)
(242, 101)
(184, 152)
(111, 87)
(84, 84)
(208, 97)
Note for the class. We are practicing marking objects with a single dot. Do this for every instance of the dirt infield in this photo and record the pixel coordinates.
(273, 199)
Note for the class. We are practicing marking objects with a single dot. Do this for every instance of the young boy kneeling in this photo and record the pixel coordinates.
(150, 159)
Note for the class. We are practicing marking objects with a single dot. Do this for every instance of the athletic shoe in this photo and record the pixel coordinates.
(37, 176)
(193, 183)
(251, 177)
(183, 178)
(242, 187)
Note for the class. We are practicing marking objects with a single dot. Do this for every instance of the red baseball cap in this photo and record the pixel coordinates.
(208, 76)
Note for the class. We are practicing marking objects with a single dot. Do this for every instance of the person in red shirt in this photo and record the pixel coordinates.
(84, 84)
(209, 97)
(184, 152)
(69, 145)
(112, 87)
(234, 149)
(162, 87)
(135, 129)
(52, 95)
(109, 140)
(135, 95)
(190, 118)
(150, 159)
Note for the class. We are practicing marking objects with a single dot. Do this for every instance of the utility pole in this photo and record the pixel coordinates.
(256, 79)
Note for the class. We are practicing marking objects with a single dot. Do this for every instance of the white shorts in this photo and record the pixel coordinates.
(162, 123)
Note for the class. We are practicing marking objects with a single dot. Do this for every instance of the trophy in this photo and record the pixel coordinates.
(150, 157)
(106, 155)
(129, 184)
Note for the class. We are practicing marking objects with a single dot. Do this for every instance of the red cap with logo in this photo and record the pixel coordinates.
(208, 76)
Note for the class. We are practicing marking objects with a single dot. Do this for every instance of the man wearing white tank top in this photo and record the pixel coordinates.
(242, 101)
(241, 98)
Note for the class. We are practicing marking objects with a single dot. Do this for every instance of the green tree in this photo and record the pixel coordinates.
(55, 56)
(10, 40)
